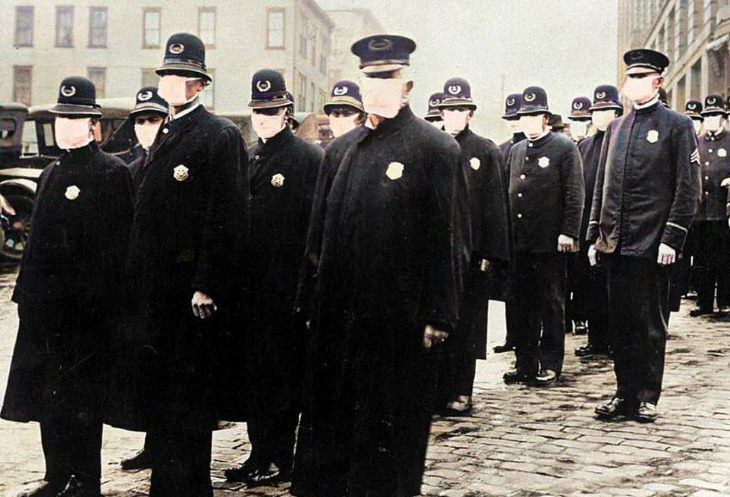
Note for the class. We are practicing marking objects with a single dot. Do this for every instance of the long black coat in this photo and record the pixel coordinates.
(505, 148)
(382, 249)
(546, 192)
(68, 286)
(185, 235)
(715, 158)
(282, 177)
(648, 183)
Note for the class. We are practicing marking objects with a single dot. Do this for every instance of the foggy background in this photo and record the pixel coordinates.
(502, 46)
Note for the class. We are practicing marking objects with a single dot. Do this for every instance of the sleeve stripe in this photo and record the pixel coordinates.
(596, 222)
(674, 225)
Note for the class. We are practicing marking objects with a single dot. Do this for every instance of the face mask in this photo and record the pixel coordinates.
(579, 128)
(455, 120)
(532, 126)
(342, 124)
(173, 89)
(382, 97)
(713, 123)
(146, 133)
(267, 127)
(602, 118)
(72, 133)
(514, 126)
(639, 90)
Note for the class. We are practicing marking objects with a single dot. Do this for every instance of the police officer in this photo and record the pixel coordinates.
(184, 237)
(580, 115)
(434, 113)
(711, 233)
(650, 178)
(381, 247)
(282, 175)
(489, 247)
(68, 296)
(546, 201)
(344, 108)
(693, 110)
(150, 110)
(590, 300)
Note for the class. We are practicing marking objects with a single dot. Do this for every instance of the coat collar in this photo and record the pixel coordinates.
(716, 136)
(463, 134)
(546, 138)
(518, 137)
(389, 126)
(79, 155)
(273, 143)
(648, 108)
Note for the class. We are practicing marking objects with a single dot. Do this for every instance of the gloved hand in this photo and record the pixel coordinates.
(592, 255)
(725, 183)
(433, 336)
(667, 255)
(567, 244)
(203, 305)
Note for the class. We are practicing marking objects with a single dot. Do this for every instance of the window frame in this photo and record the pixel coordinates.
(59, 9)
(103, 71)
(16, 70)
(269, 12)
(104, 9)
(208, 10)
(18, 10)
(150, 10)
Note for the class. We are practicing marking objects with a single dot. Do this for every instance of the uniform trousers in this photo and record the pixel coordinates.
(72, 446)
(541, 286)
(638, 302)
(180, 461)
(712, 263)
(272, 438)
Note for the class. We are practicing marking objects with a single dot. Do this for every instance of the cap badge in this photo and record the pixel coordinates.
(277, 180)
(263, 85)
(455, 89)
(68, 91)
(143, 96)
(381, 45)
(394, 171)
(530, 97)
(177, 48)
(510, 102)
(578, 105)
(72, 192)
(636, 55)
(712, 100)
(692, 106)
(543, 162)
(340, 90)
(601, 94)
(652, 136)
(180, 173)
(475, 163)
(434, 103)
(721, 152)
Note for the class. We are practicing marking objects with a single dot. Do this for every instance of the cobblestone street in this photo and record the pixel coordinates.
(519, 442)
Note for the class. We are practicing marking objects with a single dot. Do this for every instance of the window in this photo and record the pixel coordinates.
(151, 28)
(97, 27)
(150, 77)
(207, 96)
(97, 75)
(696, 71)
(312, 95)
(303, 27)
(301, 89)
(22, 80)
(206, 25)
(24, 26)
(64, 26)
(323, 54)
(275, 28)
(314, 49)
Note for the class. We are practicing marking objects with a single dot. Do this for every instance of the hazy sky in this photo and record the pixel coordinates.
(501, 46)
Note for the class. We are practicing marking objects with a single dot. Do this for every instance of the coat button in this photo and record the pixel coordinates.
(710, 151)
(519, 195)
(707, 163)
(165, 130)
(522, 176)
(526, 159)
(519, 216)
(529, 145)
(707, 177)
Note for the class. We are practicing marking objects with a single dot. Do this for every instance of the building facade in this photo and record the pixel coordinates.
(118, 45)
(695, 35)
(350, 26)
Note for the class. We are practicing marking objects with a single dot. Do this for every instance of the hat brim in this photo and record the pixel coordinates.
(344, 102)
(432, 117)
(510, 117)
(269, 104)
(581, 117)
(75, 110)
(713, 110)
(606, 106)
(149, 108)
(643, 69)
(457, 102)
(386, 67)
(183, 68)
(532, 110)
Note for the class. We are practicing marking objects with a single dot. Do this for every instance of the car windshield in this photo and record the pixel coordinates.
(30, 139)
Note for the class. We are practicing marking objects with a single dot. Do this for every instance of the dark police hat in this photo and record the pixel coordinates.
(693, 109)
(268, 90)
(714, 104)
(534, 101)
(580, 109)
(606, 97)
(184, 54)
(645, 58)
(383, 53)
(77, 97)
(344, 93)
(555, 121)
(433, 106)
(512, 105)
(457, 93)
(148, 100)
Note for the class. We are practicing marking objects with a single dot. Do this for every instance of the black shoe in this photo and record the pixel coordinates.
(615, 408)
(691, 295)
(724, 310)
(141, 460)
(42, 489)
(580, 328)
(699, 311)
(270, 476)
(586, 350)
(80, 487)
(515, 377)
(546, 377)
(461, 407)
(240, 473)
(646, 413)
(499, 349)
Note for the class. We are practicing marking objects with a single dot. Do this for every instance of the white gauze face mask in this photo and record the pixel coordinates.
(532, 126)
(146, 133)
(455, 120)
(639, 89)
(72, 133)
(342, 124)
(697, 125)
(267, 127)
(714, 123)
(173, 88)
(579, 128)
(602, 118)
(382, 97)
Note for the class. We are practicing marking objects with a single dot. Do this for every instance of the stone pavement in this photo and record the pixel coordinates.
(520, 442)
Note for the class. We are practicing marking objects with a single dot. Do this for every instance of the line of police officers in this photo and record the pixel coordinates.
(175, 296)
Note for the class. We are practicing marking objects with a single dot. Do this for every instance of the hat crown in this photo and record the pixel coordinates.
(512, 104)
(185, 46)
(580, 104)
(713, 101)
(266, 84)
(77, 90)
(693, 105)
(606, 93)
(646, 57)
(534, 100)
(457, 88)
(149, 98)
(346, 88)
(385, 50)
